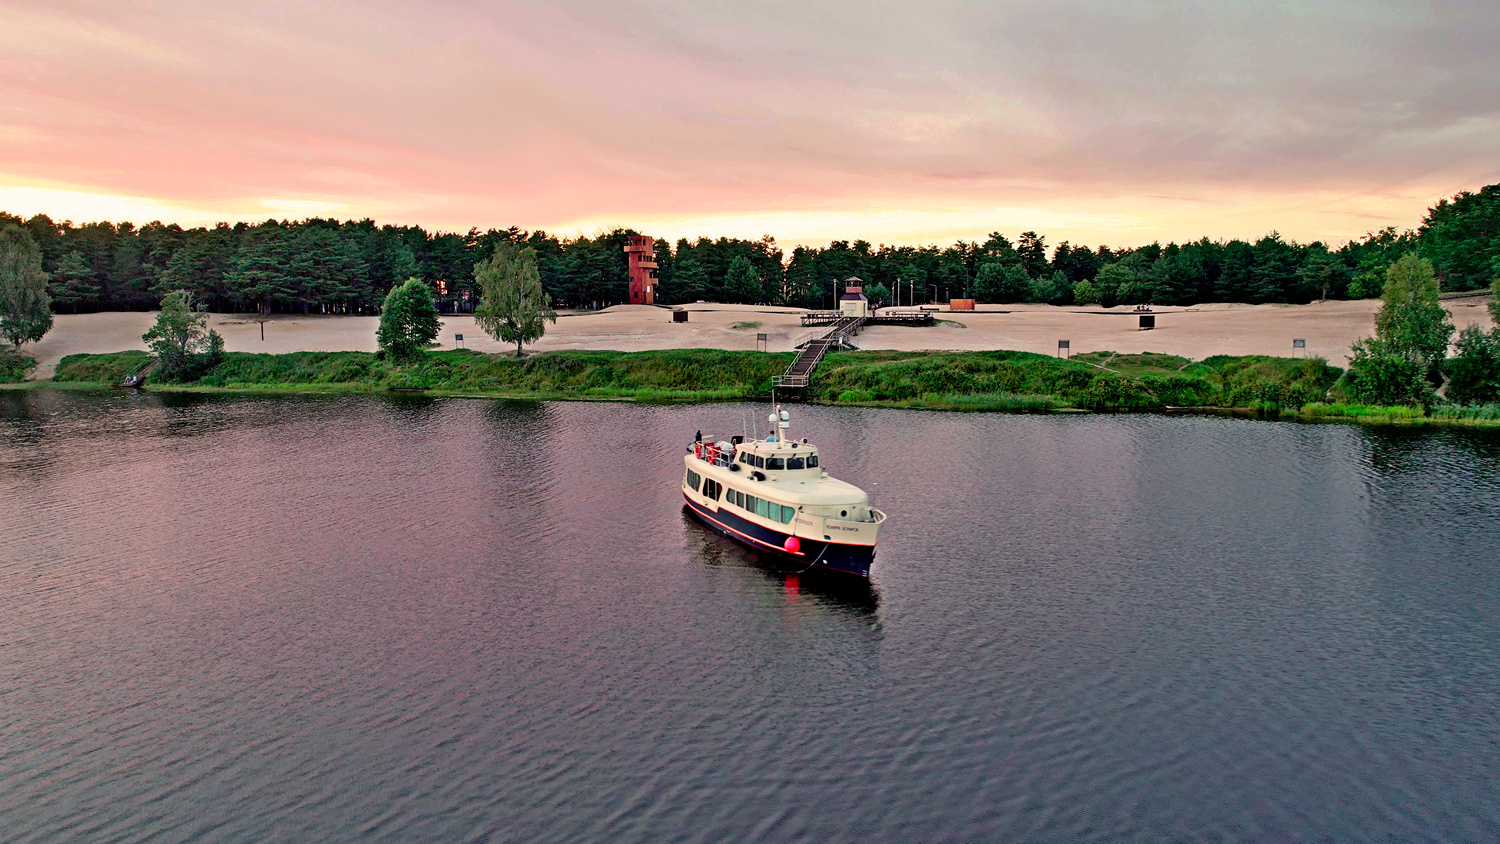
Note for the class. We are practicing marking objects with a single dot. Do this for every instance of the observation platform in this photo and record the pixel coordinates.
(889, 316)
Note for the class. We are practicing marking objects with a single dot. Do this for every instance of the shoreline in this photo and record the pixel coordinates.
(713, 376)
(1395, 420)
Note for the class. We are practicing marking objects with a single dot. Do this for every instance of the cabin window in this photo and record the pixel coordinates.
(711, 490)
(737, 497)
(775, 463)
(812, 461)
(692, 480)
(760, 507)
(794, 463)
(787, 514)
(750, 503)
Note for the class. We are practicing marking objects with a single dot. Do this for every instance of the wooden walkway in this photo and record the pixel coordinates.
(814, 346)
(138, 377)
(890, 316)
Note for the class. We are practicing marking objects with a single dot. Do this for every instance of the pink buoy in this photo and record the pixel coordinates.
(791, 545)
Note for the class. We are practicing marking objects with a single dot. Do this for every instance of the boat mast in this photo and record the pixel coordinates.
(780, 423)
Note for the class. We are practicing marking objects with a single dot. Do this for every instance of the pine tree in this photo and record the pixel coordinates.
(72, 282)
(741, 284)
(260, 272)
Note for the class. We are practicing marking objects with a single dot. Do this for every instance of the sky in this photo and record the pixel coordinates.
(1094, 121)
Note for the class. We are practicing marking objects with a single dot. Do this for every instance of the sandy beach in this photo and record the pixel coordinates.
(1198, 332)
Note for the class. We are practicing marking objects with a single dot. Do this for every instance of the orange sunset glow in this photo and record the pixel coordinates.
(898, 123)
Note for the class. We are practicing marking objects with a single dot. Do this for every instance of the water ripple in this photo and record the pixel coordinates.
(353, 618)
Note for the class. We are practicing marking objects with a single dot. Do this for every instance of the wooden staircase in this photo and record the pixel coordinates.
(138, 377)
(814, 347)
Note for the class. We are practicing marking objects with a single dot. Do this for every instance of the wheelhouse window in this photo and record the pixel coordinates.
(812, 461)
(775, 463)
(760, 462)
(795, 463)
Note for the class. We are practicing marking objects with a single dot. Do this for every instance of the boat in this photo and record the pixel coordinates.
(773, 496)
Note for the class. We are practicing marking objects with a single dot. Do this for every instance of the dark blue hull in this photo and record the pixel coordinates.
(814, 554)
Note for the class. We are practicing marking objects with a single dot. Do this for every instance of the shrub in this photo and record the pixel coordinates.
(1476, 412)
(1474, 370)
(408, 321)
(1116, 392)
(14, 366)
(1380, 377)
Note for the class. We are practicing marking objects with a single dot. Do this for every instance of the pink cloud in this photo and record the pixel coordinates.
(488, 114)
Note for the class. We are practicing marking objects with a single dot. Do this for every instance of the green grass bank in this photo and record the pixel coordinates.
(1286, 388)
(671, 375)
(14, 366)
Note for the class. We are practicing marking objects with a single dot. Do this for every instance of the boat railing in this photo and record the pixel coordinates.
(711, 454)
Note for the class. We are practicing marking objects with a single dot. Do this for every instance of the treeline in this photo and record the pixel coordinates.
(329, 266)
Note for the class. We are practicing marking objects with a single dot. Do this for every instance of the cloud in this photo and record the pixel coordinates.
(787, 114)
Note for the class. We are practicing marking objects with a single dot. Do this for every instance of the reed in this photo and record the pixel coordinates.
(1362, 412)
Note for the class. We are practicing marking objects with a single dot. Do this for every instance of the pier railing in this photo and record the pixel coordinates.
(814, 347)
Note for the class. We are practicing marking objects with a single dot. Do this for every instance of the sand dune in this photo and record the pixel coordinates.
(1198, 332)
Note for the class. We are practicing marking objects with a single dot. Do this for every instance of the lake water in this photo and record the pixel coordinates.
(325, 619)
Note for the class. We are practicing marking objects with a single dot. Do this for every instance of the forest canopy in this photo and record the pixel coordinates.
(332, 266)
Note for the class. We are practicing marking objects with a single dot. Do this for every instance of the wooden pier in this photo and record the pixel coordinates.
(889, 316)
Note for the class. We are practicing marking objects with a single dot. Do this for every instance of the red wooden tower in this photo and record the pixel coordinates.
(642, 252)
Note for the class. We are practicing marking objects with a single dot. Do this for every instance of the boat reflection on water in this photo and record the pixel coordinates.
(853, 595)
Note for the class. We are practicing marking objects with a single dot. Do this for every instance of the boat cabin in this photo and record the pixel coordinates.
(771, 459)
(778, 457)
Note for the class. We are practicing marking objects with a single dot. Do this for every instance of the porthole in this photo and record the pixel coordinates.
(843, 512)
